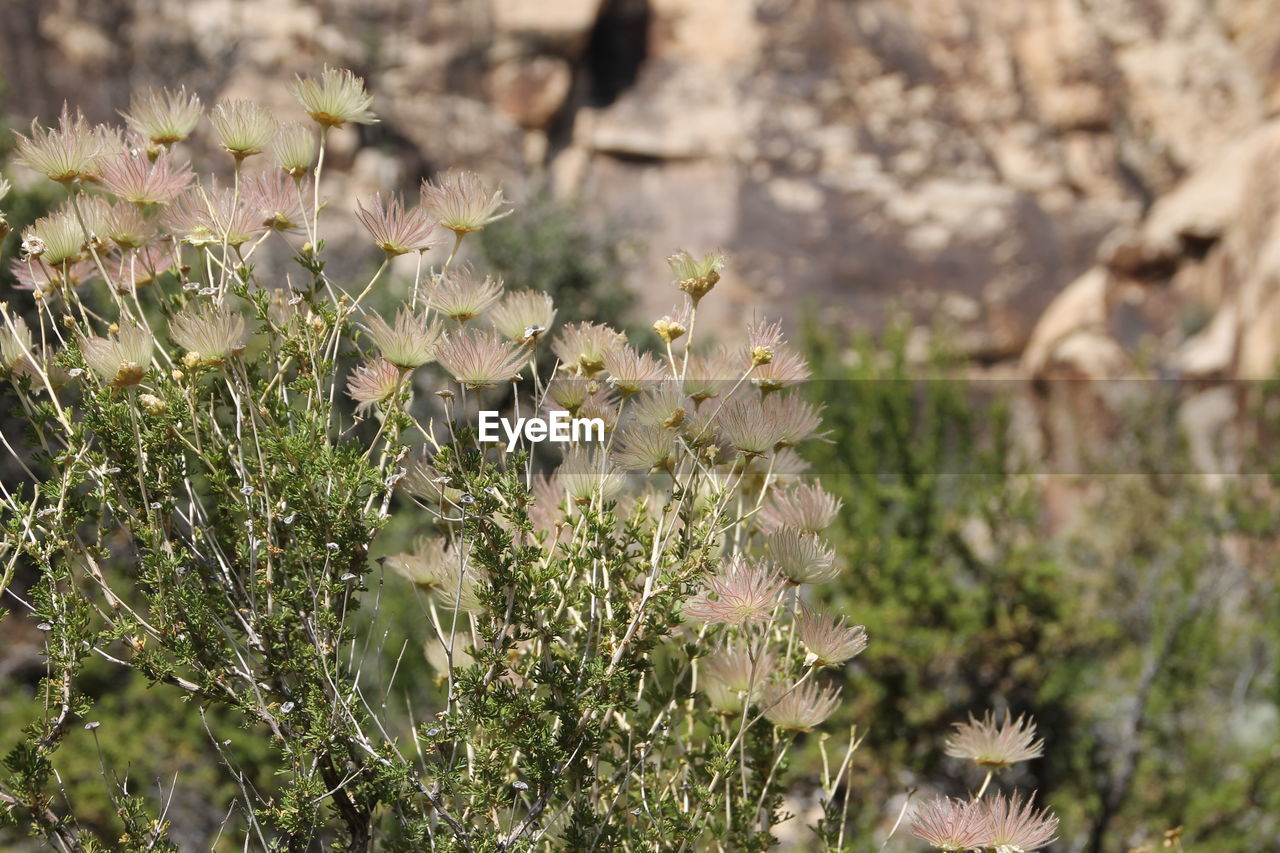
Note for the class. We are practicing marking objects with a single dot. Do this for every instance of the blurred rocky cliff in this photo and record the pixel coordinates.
(1069, 182)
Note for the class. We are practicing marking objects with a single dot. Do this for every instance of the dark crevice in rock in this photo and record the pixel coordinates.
(617, 49)
(1197, 246)
(637, 158)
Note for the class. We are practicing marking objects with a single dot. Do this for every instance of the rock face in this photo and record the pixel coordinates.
(962, 156)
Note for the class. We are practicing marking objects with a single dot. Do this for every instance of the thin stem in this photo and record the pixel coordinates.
(985, 782)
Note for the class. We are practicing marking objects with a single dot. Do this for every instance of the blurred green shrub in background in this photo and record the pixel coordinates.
(945, 562)
(551, 247)
(1142, 636)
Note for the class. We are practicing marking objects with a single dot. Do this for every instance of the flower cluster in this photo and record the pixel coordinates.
(1000, 824)
(627, 625)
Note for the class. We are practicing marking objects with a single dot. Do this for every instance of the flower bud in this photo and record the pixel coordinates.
(151, 403)
(668, 329)
(33, 247)
(696, 276)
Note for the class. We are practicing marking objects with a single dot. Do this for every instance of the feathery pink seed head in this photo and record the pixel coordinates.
(462, 202)
(71, 151)
(372, 383)
(462, 294)
(480, 359)
(1013, 825)
(800, 707)
(829, 640)
(992, 744)
(951, 825)
(395, 229)
(743, 591)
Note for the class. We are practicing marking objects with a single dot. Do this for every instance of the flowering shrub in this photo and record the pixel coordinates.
(624, 643)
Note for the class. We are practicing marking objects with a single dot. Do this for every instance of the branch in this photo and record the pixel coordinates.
(54, 826)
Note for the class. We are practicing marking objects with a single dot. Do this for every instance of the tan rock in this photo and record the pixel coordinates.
(1065, 64)
(1254, 28)
(459, 131)
(1089, 354)
(1205, 419)
(699, 203)
(530, 91)
(1259, 299)
(1211, 353)
(708, 32)
(1187, 85)
(1127, 252)
(973, 158)
(1081, 307)
(560, 24)
(673, 113)
(1204, 205)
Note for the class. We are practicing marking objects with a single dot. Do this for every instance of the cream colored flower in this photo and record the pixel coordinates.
(801, 707)
(334, 98)
(295, 148)
(163, 116)
(696, 276)
(373, 382)
(410, 343)
(244, 128)
(213, 334)
(120, 360)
